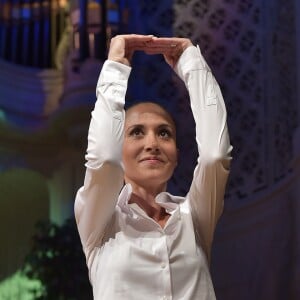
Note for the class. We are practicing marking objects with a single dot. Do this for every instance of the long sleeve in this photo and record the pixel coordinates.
(206, 194)
(96, 199)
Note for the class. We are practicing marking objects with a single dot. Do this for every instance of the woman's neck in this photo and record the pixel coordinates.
(145, 198)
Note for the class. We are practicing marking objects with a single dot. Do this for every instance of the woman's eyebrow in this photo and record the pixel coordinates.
(135, 126)
(168, 126)
(142, 126)
(165, 125)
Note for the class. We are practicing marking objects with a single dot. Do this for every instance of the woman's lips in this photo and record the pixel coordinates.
(152, 159)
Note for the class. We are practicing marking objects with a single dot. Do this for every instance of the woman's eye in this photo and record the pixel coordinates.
(165, 133)
(136, 132)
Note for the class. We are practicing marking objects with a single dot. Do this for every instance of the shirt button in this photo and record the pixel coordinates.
(163, 265)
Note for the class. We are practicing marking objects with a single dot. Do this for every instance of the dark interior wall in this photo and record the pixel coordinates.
(24, 201)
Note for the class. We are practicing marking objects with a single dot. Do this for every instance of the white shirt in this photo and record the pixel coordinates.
(129, 256)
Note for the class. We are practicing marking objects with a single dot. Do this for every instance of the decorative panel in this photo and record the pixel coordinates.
(231, 38)
(250, 46)
(283, 95)
(255, 70)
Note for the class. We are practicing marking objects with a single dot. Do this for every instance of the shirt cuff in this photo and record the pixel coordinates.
(191, 59)
(114, 72)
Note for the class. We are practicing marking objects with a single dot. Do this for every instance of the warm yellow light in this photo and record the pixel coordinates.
(62, 3)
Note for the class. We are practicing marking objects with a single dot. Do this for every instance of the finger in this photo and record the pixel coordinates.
(168, 48)
(170, 39)
(146, 47)
(163, 45)
(137, 44)
(183, 43)
(165, 41)
(138, 36)
(131, 38)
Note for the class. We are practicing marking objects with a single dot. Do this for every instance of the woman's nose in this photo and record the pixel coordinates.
(151, 142)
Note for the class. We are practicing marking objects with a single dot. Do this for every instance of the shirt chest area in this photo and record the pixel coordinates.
(138, 257)
(137, 243)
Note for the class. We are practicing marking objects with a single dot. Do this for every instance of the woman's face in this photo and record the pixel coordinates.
(149, 149)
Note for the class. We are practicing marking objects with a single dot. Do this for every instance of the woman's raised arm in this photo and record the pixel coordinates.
(96, 199)
(207, 190)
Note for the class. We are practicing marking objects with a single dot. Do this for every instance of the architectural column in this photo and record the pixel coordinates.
(27, 28)
(6, 12)
(297, 133)
(16, 32)
(83, 35)
(101, 37)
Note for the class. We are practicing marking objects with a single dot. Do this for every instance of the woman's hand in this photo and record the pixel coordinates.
(123, 46)
(170, 48)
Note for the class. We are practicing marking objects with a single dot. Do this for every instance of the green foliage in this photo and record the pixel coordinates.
(17, 287)
(58, 262)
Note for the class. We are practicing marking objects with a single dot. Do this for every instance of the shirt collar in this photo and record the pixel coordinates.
(164, 199)
(168, 201)
(124, 198)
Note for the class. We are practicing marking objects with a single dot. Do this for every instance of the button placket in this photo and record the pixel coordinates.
(163, 265)
(165, 268)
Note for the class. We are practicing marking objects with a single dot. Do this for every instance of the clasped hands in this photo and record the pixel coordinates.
(122, 47)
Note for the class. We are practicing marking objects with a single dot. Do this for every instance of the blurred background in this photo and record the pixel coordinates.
(51, 52)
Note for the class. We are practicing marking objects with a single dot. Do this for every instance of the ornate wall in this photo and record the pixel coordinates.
(253, 57)
(251, 47)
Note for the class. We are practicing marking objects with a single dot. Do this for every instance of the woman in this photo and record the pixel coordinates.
(141, 242)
